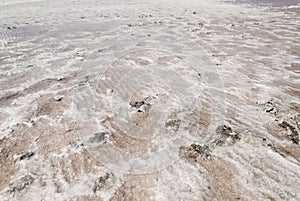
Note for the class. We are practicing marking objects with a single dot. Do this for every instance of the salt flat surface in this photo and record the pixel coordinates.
(139, 100)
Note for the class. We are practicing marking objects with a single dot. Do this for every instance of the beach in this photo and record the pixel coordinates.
(138, 100)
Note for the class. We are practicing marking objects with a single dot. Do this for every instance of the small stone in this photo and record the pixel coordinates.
(270, 110)
(196, 150)
(26, 155)
(84, 81)
(224, 130)
(60, 78)
(137, 104)
(58, 98)
(226, 136)
(101, 182)
(99, 137)
(172, 124)
(194, 12)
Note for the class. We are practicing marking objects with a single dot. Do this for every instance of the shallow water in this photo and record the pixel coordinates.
(287, 5)
(277, 3)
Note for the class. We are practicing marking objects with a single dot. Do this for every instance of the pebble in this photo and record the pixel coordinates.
(58, 98)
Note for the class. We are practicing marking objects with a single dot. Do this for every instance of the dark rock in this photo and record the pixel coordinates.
(203, 151)
(137, 104)
(100, 182)
(195, 151)
(224, 130)
(26, 155)
(226, 136)
(99, 137)
(294, 132)
(103, 50)
(194, 12)
(58, 98)
(270, 109)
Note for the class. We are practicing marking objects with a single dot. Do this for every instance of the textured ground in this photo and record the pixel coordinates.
(139, 100)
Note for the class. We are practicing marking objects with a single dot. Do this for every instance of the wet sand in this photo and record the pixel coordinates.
(139, 100)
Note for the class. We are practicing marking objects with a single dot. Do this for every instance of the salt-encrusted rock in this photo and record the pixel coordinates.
(226, 136)
(21, 184)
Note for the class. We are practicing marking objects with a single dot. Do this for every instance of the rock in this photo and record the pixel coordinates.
(137, 104)
(226, 136)
(60, 78)
(172, 124)
(224, 130)
(26, 155)
(144, 16)
(294, 133)
(195, 151)
(58, 98)
(194, 12)
(203, 151)
(99, 137)
(21, 183)
(84, 81)
(271, 107)
(101, 182)
(158, 22)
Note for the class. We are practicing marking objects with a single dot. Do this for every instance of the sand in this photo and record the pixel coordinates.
(138, 100)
